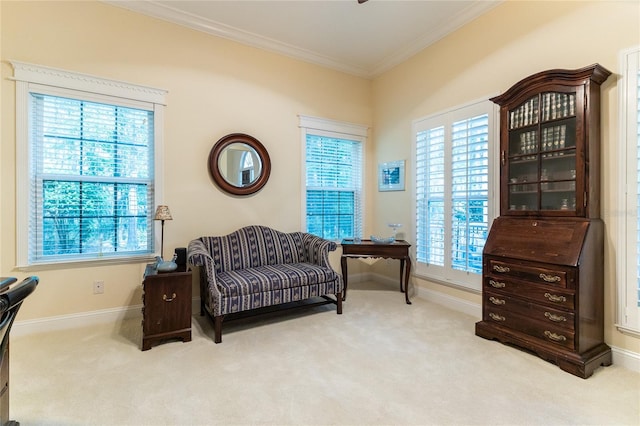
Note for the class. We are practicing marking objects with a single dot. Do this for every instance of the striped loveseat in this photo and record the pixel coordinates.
(256, 267)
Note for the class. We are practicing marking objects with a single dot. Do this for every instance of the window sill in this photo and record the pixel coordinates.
(628, 331)
(70, 264)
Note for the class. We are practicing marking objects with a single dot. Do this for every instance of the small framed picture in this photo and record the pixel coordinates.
(391, 176)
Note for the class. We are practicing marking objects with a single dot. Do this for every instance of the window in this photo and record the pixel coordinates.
(628, 259)
(86, 180)
(453, 193)
(333, 158)
(248, 171)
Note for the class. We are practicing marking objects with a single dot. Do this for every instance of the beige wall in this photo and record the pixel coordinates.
(485, 58)
(215, 87)
(218, 87)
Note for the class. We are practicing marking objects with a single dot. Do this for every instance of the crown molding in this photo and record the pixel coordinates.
(434, 34)
(170, 14)
(173, 15)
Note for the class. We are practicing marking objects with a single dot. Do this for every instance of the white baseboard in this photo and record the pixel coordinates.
(625, 358)
(82, 319)
(457, 304)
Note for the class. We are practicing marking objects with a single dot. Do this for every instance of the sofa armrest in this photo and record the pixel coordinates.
(198, 256)
(197, 253)
(316, 249)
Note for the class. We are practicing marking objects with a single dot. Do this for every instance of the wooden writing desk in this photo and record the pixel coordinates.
(367, 248)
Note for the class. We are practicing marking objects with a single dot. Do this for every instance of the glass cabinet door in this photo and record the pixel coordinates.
(541, 154)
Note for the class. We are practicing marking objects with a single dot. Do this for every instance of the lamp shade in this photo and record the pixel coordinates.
(163, 213)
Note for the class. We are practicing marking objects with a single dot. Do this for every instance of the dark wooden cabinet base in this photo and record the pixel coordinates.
(149, 341)
(581, 365)
(166, 312)
(545, 294)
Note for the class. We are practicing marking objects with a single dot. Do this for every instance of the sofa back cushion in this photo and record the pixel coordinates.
(254, 246)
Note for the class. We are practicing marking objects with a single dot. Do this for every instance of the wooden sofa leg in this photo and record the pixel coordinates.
(339, 302)
(217, 328)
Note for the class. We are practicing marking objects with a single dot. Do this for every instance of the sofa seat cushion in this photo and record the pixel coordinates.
(272, 277)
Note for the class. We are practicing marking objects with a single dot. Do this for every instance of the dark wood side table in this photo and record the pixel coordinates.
(367, 248)
(166, 311)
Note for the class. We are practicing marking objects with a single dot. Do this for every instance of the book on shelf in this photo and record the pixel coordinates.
(550, 106)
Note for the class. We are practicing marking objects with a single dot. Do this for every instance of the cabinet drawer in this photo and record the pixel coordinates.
(544, 314)
(547, 332)
(539, 275)
(167, 306)
(546, 295)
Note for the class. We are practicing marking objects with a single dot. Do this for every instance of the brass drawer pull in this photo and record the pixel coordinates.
(496, 284)
(550, 278)
(499, 268)
(169, 299)
(497, 301)
(555, 317)
(555, 337)
(497, 317)
(555, 298)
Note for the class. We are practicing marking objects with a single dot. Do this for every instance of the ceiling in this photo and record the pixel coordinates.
(360, 39)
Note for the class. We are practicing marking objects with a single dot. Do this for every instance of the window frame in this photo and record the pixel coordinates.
(628, 311)
(30, 78)
(332, 129)
(443, 274)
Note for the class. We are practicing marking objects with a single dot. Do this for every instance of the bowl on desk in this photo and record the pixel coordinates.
(382, 240)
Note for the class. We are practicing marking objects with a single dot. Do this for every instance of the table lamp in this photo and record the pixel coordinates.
(162, 214)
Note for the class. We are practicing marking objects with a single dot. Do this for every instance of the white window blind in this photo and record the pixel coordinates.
(430, 196)
(469, 192)
(452, 193)
(87, 167)
(628, 259)
(334, 187)
(92, 179)
(333, 158)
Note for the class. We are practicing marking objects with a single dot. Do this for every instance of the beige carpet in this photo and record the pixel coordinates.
(381, 362)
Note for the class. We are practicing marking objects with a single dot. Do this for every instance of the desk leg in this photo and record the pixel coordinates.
(401, 272)
(343, 264)
(406, 281)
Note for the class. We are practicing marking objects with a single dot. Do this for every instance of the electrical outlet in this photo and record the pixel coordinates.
(98, 287)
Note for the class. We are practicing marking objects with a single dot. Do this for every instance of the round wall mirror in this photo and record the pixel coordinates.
(239, 164)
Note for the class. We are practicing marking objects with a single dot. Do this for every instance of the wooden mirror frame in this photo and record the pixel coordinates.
(219, 179)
